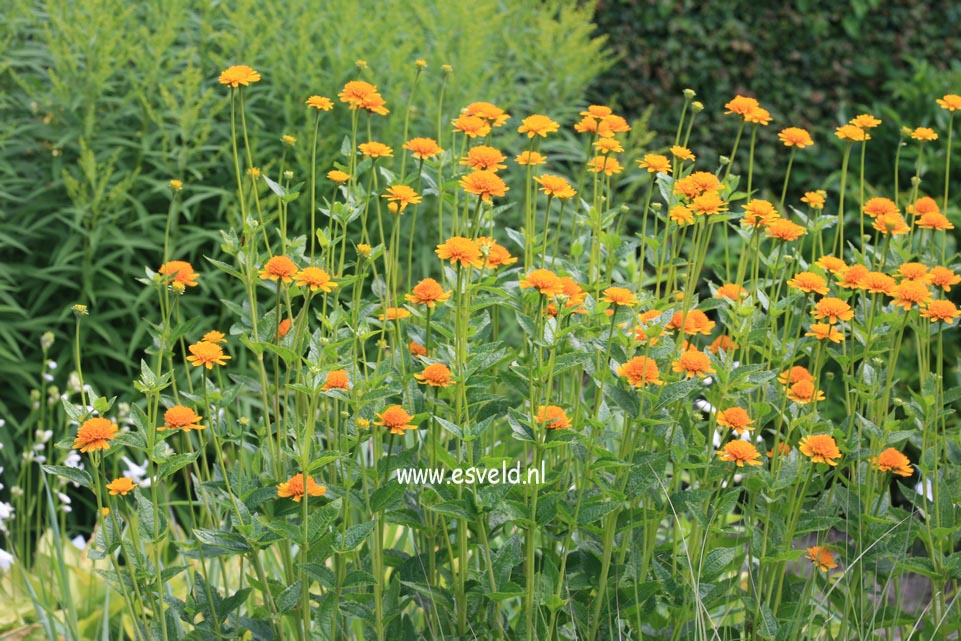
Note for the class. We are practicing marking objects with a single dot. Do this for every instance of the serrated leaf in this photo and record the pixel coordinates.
(80, 477)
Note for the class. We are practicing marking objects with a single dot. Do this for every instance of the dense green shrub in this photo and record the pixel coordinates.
(96, 125)
(812, 63)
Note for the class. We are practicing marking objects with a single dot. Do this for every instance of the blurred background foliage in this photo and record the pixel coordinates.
(812, 63)
(105, 101)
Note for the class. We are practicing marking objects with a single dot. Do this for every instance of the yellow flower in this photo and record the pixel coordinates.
(483, 157)
(320, 103)
(121, 486)
(941, 310)
(759, 213)
(179, 271)
(537, 125)
(730, 291)
(808, 282)
(175, 184)
(694, 322)
(924, 134)
(375, 150)
(735, 418)
(865, 121)
(681, 215)
(487, 111)
(338, 176)
(239, 75)
(423, 148)
(950, 102)
(213, 336)
(740, 453)
(530, 158)
(427, 292)
(619, 296)
(682, 153)
(394, 313)
(943, 277)
(784, 229)
(804, 392)
(655, 164)
(795, 137)
(359, 94)
(815, 199)
(207, 355)
(315, 278)
(495, 254)
(95, 434)
(741, 105)
(909, 293)
(471, 126)
(403, 195)
(825, 331)
(293, 488)
(460, 249)
(852, 133)
(832, 309)
(609, 166)
(693, 362)
(820, 448)
(543, 280)
(555, 186)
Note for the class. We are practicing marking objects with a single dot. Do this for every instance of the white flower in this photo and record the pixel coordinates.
(6, 511)
(6, 560)
(48, 378)
(136, 473)
(52, 364)
(74, 460)
(79, 542)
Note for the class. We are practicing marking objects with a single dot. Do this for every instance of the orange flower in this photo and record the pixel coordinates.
(403, 195)
(833, 309)
(891, 224)
(741, 105)
(207, 355)
(682, 153)
(831, 264)
(913, 271)
(423, 148)
(877, 283)
(941, 310)
(543, 280)
(640, 371)
(822, 558)
(394, 313)
(336, 379)
(462, 250)
(416, 349)
(279, 268)
(681, 215)
(609, 166)
(95, 434)
(555, 186)
(909, 293)
(121, 486)
(283, 328)
(924, 134)
(950, 102)
(694, 322)
(809, 282)
(530, 158)
(552, 417)
(293, 488)
(359, 94)
(537, 125)
(436, 375)
(795, 137)
(612, 124)
(180, 417)
(924, 205)
(375, 149)
(213, 336)
(793, 375)
(875, 207)
(760, 116)
(759, 213)
(852, 133)
(820, 448)
(784, 229)
(722, 342)
(574, 296)
(608, 146)
(865, 121)
(693, 362)
(891, 460)
(488, 111)
(179, 271)
(485, 184)
(815, 199)
(852, 276)
(320, 103)
(427, 292)
(338, 176)
(696, 184)
(708, 204)
(395, 419)
(740, 453)
(825, 331)
(804, 392)
(315, 278)
(934, 220)
(655, 164)
(735, 418)
(943, 277)
(483, 157)
(239, 75)
(495, 254)
(471, 126)
(619, 296)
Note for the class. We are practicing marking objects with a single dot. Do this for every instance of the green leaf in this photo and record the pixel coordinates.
(80, 477)
(151, 528)
(221, 542)
(353, 538)
(717, 561)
